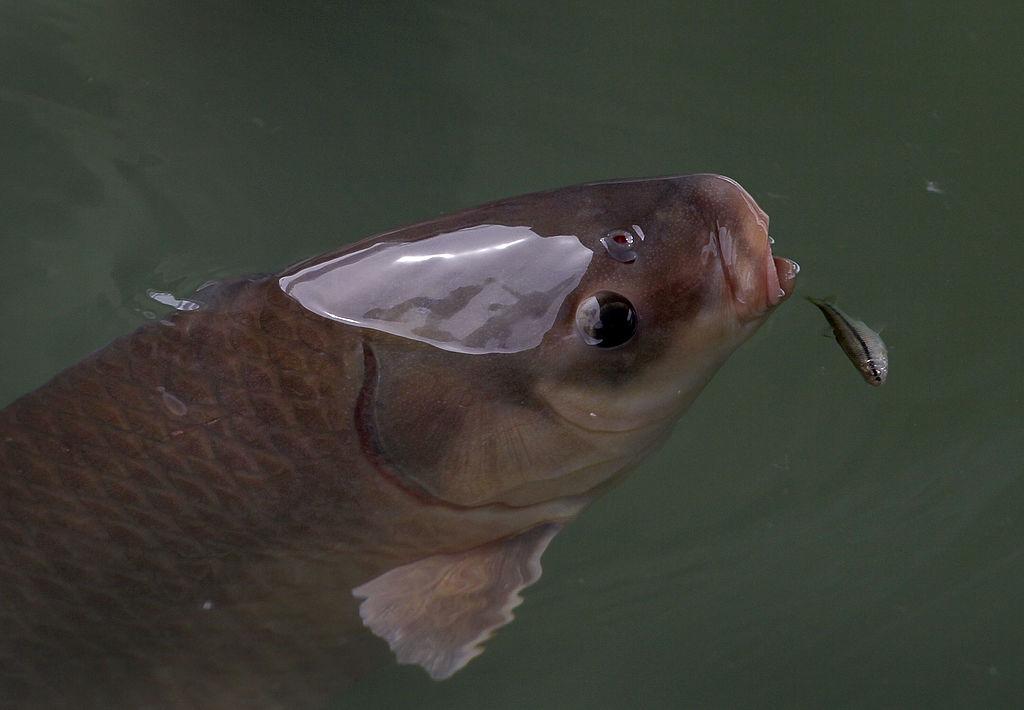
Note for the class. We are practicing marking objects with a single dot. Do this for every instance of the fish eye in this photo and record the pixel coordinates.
(619, 244)
(606, 320)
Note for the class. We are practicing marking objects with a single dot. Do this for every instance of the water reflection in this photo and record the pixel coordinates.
(483, 289)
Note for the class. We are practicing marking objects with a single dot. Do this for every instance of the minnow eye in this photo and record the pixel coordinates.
(606, 320)
(619, 245)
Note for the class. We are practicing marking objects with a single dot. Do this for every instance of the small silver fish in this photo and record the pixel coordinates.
(862, 345)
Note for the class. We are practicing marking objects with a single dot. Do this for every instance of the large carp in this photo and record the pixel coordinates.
(385, 437)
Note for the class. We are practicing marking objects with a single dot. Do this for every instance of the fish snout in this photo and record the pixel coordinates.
(756, 280)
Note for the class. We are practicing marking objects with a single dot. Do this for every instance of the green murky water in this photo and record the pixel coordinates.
(803, 540)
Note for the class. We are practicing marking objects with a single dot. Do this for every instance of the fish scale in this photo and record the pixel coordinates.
(94, 501)
(148, 523)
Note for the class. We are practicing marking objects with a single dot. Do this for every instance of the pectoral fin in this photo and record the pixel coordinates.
(437, 612)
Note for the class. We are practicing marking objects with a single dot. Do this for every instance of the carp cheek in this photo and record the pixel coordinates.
(468, 430)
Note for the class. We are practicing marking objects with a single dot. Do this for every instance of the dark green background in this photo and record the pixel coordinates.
(803, 540)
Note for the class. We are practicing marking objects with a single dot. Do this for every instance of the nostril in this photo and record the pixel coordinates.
(620, 246)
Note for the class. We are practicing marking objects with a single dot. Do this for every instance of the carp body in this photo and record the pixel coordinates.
(212, 510)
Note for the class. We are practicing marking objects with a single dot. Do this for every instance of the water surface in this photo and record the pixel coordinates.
(803, 540)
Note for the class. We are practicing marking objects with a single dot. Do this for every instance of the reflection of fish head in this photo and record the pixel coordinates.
(535, 347)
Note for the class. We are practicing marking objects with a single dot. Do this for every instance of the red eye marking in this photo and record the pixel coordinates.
(621, 239)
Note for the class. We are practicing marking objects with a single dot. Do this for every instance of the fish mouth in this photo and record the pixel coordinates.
(755, 278)
(780, 279)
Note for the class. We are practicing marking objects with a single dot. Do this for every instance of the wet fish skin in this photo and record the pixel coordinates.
(862, 345)
(185, 513)
(160, 558)
(122, 519)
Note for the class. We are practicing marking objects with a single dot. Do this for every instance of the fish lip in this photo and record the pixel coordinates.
(784, 270)
(756, 280)
(773, 283)
(776, 274)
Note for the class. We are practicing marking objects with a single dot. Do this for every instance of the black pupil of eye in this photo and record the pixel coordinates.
(606, 320)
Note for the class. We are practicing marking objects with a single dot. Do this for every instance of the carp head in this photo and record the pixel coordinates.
(535, 347)
(531, 351)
